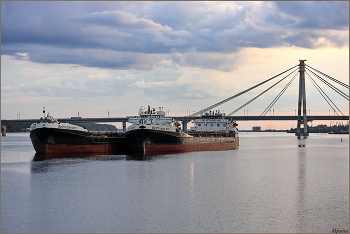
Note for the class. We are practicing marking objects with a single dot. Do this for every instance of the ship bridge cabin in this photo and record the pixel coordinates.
(151, 116)
(213, 121)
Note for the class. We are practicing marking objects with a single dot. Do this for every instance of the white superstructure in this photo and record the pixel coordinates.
(153, 119)
(213, 121)
(50, 122)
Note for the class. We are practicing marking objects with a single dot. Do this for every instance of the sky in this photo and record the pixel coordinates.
(110, 58)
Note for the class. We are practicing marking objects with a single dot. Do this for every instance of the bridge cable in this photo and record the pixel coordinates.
(234, 96)
(331, 86)
(319, 89)
(344, 95)
(260, 94)
(278, 96)
(335, 80)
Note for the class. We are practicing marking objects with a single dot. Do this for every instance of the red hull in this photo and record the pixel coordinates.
(54, 151)
(169, 149)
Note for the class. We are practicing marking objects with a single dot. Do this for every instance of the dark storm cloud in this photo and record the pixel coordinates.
(122, 20)
(314, 40)
(318, 14)
(139, 35)
(194, 16)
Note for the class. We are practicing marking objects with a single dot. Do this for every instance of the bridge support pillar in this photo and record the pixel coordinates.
(124, 126)
(3, 130)
(302, 118)
(184, 126)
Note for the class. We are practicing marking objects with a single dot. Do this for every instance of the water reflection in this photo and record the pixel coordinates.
(192, 203)
(41, 164)
(192, 176)
(144, 157)
(41, 157)
(301, 203)
(141, 157)
(148, 157)
(302, 142)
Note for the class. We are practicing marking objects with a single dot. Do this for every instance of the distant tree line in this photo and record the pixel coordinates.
(97, 127)
(18, 127)
(322, 128)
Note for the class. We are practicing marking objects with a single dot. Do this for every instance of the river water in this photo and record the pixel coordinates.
(271, 183)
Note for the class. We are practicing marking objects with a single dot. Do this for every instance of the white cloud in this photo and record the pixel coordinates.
(123, 20)
(98, 76)
(22, 54)
(34, 72)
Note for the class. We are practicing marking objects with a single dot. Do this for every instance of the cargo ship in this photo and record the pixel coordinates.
(50, 138)
(151, 132)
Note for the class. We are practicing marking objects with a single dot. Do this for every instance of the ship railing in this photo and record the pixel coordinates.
(210, 134)
(107, 133)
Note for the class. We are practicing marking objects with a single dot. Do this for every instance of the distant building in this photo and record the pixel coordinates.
(256, 129)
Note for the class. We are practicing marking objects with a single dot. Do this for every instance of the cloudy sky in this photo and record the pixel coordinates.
(100, 57)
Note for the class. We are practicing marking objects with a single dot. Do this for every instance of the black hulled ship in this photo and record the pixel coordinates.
(50, 138)
(153, 133)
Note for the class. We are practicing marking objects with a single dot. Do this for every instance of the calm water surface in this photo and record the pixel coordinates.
(272, 183)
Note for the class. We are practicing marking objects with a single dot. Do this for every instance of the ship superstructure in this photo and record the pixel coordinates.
(214, 121)
(153, 119)
(49, 121)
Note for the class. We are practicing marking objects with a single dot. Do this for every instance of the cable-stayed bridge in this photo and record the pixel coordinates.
(302, 118)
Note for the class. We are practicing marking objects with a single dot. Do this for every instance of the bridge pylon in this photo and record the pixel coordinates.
(302, 117)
